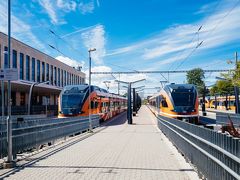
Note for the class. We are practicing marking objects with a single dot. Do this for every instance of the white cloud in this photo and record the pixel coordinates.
(67, 5)
(98, 79)
(20, 29)
(58, 8)
(95, 38)
(86, 7)
(51, 11)
(122, 50)
(177, 42)
(79, 31)
(70, 62)
(98, 3)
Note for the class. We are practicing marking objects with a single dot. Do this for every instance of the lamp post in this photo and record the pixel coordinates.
(89, 89)
(30, 94)
(236, 88)
(9, 163)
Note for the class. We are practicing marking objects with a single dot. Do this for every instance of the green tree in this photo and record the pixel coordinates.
(214, 90)
(233, 75)
(224, 87)
(196, 77)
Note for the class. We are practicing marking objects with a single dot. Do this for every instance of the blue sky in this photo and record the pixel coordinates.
(131, 35)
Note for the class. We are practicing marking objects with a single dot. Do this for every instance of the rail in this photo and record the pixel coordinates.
(32, 133)
(215, 155)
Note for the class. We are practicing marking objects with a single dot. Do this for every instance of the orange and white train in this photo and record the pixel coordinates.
(74, 101)
(179, 101)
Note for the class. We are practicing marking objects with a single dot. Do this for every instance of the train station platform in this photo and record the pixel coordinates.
(114, 151)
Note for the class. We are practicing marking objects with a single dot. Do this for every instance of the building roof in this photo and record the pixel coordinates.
(40, 52)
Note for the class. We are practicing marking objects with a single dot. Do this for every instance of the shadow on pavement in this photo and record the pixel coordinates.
(118, 120)
(112, 168)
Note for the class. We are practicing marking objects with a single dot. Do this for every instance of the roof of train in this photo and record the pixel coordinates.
(100, 91)
(170, 87)
(179, 86)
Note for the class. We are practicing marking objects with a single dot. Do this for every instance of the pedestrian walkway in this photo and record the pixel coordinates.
(118, 151)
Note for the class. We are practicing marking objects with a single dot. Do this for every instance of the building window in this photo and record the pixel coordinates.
(62, 78)
(38, 70)
(14, 59)
(5, 57)
(21, 66)
(65, 78)
(43, 71)
(27, 68)
(58, 77)
(55, 76)
(51, 75)
(47, 73)
(70, 77)
(33, 69)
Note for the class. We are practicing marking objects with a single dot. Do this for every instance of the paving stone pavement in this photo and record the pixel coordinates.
(120, 151)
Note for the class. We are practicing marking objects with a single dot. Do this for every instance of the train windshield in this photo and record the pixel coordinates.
(72, 100)
(183, 98)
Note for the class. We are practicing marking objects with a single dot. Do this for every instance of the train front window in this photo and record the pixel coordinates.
(183, 98)
(71, 100)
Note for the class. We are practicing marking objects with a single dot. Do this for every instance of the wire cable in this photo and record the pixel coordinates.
(209, 33)
(76, 50)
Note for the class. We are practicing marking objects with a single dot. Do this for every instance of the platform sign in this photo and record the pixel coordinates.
(9, 74)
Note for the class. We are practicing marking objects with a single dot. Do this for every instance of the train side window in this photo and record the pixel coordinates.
(164, 103)
(92, 105)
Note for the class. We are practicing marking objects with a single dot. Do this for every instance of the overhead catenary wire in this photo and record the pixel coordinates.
(209, 33)
(69, 45)
(196, 33)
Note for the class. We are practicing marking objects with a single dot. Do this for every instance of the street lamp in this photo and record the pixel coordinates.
(89, 89)
(30, 93)
(9, 163)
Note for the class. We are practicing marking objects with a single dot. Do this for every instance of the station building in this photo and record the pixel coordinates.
(35, 67)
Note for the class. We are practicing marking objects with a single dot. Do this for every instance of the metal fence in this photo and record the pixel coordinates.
(216, 155)
(35, 109)
(222, 118)
(31, 133)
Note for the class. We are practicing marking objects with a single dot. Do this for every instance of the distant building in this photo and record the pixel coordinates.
(35, 67)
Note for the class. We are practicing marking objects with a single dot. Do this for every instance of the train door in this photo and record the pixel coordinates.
(163, 105)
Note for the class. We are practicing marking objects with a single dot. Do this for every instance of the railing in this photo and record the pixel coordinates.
(216, 155)
(35, 109)
(33, 133)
